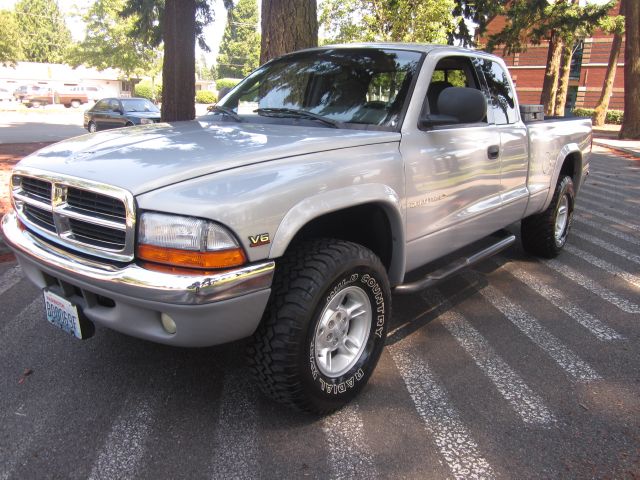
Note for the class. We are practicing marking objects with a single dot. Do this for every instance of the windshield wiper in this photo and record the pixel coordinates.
(226, 111)
(294, 112)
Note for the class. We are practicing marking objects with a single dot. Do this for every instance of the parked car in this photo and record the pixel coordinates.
(34, 95)
(71, 96)
(120, 112)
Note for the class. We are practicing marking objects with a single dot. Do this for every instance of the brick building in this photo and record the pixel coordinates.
(588, 69)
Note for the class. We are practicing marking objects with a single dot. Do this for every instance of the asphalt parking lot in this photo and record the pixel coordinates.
(519, 368)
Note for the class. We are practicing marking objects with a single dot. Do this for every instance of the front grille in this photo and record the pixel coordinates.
(93, 203)
(97, 235)
(40, 217)
(86, 216)
(36, 189)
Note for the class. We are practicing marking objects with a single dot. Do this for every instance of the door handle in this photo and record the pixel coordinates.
(493, 152)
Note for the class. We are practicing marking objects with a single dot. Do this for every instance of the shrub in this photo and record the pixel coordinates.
(206, 96)
(227, 83)
(144, 90)
(614, 117)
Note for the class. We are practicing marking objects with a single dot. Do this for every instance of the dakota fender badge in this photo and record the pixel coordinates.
(259, 240)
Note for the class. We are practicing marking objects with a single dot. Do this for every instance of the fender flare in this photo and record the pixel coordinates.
(564, 152)
(331, 201)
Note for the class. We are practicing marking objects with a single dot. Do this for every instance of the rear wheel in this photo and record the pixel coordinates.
(128, 124)
(545, 234)
(325, 326)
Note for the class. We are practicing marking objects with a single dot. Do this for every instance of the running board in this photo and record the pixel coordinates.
(454, 267)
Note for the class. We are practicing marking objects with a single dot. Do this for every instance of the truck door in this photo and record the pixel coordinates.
(514, 144)
(452, 174)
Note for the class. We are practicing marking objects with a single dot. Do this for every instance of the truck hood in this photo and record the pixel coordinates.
(141, 159)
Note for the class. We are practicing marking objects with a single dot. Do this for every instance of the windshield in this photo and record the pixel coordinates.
(139, 105)
(362, 86)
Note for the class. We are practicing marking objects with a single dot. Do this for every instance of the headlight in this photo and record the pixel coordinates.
(187, 242)
(145, 121)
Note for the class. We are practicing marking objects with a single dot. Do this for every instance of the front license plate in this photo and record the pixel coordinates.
(62, 313)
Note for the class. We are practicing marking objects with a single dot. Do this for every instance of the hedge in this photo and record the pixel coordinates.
(206, 96)
(144, 90)
(227, 83)
(613, 117)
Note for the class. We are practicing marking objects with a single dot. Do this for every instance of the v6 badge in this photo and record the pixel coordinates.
(259, 240)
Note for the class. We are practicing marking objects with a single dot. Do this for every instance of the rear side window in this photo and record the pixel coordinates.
(450, 72)
(501, 97)
(102, 105)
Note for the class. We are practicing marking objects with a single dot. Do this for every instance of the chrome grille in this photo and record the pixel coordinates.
(87, 216)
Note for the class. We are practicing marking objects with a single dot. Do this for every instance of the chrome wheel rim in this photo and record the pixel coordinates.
(342, 332)
(562, 218)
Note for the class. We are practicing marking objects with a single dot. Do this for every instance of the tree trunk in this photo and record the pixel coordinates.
(550, 84)
(179, 64)
(287, 25)
(631, 122)
(563, 80)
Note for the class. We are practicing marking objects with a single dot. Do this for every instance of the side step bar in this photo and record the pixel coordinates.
(456, 266)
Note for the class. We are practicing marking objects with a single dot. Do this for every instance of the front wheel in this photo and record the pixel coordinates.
(75, 103)
(92, 127)
(545, 234)
(325, 326)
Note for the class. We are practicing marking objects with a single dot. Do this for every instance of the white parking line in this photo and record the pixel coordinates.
(604, 265)
(523, 400)
(573, 365)
(125, 446)
(440, 418)
(349, 454)
(593, 286)
(608, 217)
(557, 298)
(597, 206)
(237, 453)
(595, 194)
(610, 181)
(9, 278)
(621, 235)
(627, 255)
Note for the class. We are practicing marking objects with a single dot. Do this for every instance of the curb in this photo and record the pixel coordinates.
(628, 151)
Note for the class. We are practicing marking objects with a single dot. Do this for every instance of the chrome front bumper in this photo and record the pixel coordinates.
(208, 309)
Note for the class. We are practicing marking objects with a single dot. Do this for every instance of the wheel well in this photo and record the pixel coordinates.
(367, 225)
(572, 166)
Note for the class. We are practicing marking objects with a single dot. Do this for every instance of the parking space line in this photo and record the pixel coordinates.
(573, 365)
(236, 435)
(596, 195)
(627, 255)
(523, 400)
(10, 278)
(560, 301)
(604, 265)
(125, 445)
(442, 421)
(349, 455)
(593, 286)
(608, 217)
(621, 235)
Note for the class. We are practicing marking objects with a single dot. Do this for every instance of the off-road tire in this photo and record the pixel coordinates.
(281, 354)
(538, 232)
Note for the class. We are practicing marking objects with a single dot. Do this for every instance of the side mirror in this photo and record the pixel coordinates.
(457, 105)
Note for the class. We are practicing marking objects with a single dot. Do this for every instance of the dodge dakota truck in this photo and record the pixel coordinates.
(316, 187)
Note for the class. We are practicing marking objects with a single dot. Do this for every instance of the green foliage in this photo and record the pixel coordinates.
(477, 12)
(240, 48)
(45, 37)
(614, 117)
(533, 21)
(388, 20)
(206, 96)
(144, 90)
(10, 39)
(110, 42)
(227, 83)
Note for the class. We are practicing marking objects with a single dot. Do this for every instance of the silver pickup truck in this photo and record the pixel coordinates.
(315, 188)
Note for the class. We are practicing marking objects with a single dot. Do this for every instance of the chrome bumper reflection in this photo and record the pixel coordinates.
(133, 280)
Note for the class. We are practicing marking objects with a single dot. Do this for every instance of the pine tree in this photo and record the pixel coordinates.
(45, 36)
(239, 51)
(631, 121)
(287, 25)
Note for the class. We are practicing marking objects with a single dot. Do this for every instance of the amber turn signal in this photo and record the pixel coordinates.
(232, 257)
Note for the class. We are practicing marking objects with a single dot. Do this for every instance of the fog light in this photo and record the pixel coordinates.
(168, 324)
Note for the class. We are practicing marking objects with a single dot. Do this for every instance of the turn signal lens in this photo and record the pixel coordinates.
(186, 258)
(187, 242)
